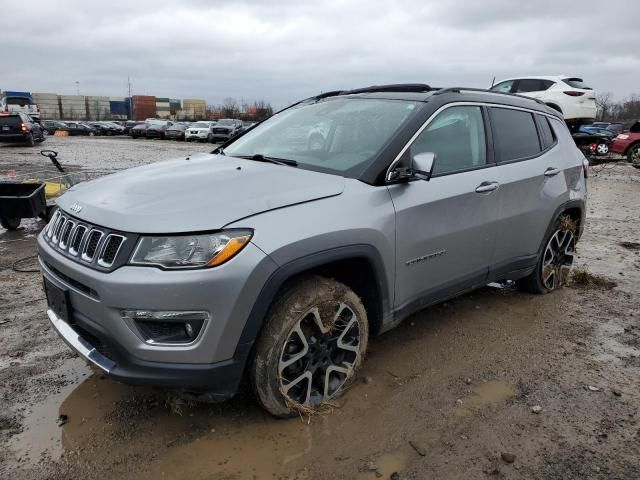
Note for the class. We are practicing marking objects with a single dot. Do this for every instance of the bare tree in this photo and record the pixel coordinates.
(230, 108)
(604, 102)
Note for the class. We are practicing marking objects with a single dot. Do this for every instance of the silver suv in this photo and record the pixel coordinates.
(276, 257)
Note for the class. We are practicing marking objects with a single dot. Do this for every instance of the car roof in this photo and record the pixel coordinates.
(425, 93)
(555, 78)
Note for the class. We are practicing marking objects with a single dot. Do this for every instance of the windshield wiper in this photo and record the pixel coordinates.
(261, 158)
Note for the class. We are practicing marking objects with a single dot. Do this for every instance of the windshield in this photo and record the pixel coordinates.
(339, 135)
(576, 83)
(21, 101)
(225, 122)
(199, 125)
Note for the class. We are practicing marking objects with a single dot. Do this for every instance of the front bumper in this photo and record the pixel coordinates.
(97, 331)
(196, 136)
(222, 378)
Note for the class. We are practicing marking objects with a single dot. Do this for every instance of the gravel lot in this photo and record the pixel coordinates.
(447, 395)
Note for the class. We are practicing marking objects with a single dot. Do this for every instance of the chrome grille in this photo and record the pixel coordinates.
(91, 246)
(76, 239)
(110, 250)
(83, 242)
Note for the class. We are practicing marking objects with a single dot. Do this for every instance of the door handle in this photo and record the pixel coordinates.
(486, 187)
(551, 171)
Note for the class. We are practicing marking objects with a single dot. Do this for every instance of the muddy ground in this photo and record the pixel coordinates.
(447, 395)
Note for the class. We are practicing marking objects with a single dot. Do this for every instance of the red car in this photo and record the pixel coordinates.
(628, 143)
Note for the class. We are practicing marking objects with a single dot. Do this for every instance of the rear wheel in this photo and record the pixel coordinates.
(602, 149)
(633, 155)
(313, 343)
(30, 140)
(555, 262)
(10, 223)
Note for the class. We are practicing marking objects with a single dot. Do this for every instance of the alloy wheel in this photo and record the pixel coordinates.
(602, 149)
(319, 355)
(558, 259)
(635, 157)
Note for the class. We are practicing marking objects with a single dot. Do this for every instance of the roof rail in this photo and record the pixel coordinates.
(395, 87)
(460, 89)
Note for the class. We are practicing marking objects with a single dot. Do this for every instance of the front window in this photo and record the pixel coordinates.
(226, 123)
(504, 87)
(338, 135)
(200, 125)
(21, 101)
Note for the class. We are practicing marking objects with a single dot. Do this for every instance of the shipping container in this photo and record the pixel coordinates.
(73, 107)
(119, 107)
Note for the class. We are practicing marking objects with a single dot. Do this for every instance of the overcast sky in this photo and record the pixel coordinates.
(285, 50)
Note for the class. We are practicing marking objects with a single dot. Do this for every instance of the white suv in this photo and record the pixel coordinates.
(569, 95)
(199, 131)
(16, 102)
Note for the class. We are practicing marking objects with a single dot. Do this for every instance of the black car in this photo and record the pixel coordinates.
(51, 126)
(80, 129)
(156, 131)
(18, 127)
(175, 131)
(138, 130)
(129, 124)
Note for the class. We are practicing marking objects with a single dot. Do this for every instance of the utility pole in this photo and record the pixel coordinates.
(78, 87)
(129, 97)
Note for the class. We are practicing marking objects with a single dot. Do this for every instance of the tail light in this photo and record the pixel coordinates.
(24, 127)
(573, 93)
(585, 167)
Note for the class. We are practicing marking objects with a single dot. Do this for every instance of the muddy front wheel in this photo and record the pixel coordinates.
(313, 343)
(10, 223)
(555, 262)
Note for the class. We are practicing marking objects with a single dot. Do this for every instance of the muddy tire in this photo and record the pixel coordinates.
(313, 343)
(30, 140)
(633, 155)
(555, 260)
(10, 223)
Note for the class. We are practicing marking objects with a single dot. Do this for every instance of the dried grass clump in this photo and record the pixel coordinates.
(568, 224)
(175, 402)
(584, 278)
(307, 411)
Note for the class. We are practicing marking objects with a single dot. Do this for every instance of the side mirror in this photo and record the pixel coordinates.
(422, 165)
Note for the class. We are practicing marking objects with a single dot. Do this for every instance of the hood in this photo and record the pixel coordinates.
(197, 193)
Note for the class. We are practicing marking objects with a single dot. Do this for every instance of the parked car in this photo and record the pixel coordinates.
(276, 262)
(616, 127)
(81, 129)
(16, 127)
(176, 131)
(19, 102)
(568, 95)
(102, 129)
(128, 125)
(226, 129)
(51, 126)
(627, 143)
(138, 131)
(199, 132)
(156, 130)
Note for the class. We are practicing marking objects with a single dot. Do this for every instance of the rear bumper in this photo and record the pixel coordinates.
(13, 137)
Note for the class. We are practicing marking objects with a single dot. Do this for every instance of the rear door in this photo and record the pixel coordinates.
(532, 185)
(445, 227)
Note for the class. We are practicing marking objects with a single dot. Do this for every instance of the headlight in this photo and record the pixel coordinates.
(190, 251)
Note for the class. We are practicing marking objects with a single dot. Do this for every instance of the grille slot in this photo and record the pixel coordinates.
(76, 240)
(65, 233)
(110, 250)
(91, 246)
(58, 226)
(52, 223)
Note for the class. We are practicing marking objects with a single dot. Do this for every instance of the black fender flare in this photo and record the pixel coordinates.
(300, 265)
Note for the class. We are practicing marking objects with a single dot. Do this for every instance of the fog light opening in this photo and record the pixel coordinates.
(166, 327)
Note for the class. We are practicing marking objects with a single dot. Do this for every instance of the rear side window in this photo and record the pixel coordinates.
(576, 83)
(516, 135)
(533, 85)
(547, 134)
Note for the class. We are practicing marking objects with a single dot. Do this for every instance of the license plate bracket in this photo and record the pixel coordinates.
(57, 300)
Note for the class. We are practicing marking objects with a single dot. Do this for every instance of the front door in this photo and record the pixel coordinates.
(445, 227)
